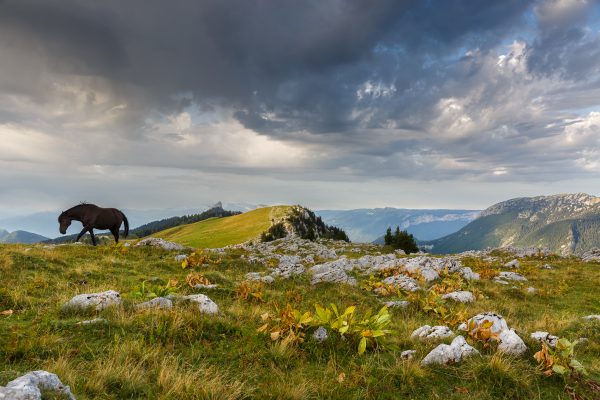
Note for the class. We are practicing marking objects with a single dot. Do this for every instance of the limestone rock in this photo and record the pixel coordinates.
(157, 302)
(461, 296)
(592, 317)
(30, 385)
(180, 257)
(444, 354)
(201, 286)
(287, 270)
(512, 264)
(426, 332)
(510, 276)
(511, 343)
(320, 335)
(97, 301)
(158, 242)
(545, 337)
(403, 282)
(468, 274)
(205, 304)
(591, 255)
(498, 322)
(408, 354)
(335, 275)
(396, 304)
(257, 277)
(546, 266)
(92, 321)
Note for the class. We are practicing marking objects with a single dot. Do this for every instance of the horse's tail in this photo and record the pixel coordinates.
(126, 224)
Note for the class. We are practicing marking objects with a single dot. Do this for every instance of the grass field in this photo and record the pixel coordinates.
(220, 232)
(182, 354)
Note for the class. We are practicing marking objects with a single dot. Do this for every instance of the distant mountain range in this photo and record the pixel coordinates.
(20, 237)
(565, 223)
(369, 224)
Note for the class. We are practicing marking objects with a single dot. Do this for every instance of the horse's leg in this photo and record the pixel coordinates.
(92, 235)
(83, 231)
(115, 232)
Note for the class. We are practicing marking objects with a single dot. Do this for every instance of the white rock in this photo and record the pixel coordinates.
(257, 277)
(30, 385)
(180, 257)
(158, 242)
(547, 266)
(462, 296)
(511, 276)
(201, 286)
(97, 301)
(396, 304)
(426, 332)
(591, 317)
(92, 321)
(531, 290)
(444, 354)
(403, 282)
(545, 337)
(335, 275)
(468, 274)
(591, 255)
(510, 343)
(498, 322)
(408, 354)
(205, 304)
(512, 264)
(157, 302)
(320, 335)
(287, 270)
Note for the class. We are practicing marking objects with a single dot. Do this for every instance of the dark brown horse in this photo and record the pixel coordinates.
(94, 217)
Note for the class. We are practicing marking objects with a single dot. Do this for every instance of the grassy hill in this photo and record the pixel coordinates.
(220, 232)
(182, 354)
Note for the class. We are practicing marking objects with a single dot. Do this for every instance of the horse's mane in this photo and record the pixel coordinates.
(82, 204)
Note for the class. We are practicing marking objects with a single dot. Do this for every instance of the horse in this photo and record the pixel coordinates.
(93, 217)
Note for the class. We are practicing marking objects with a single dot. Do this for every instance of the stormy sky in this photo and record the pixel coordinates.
(330, 104)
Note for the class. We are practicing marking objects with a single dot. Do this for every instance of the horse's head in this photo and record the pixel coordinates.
(64, 222)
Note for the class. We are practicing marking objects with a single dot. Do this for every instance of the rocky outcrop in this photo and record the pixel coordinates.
(462, 296)
(430, 333)
(31, 385)
(336, 275)
(158, 242)
(513, 264)
(403, 282)
(96, 301)
(453, 353)
(257, 277)
(591, 255)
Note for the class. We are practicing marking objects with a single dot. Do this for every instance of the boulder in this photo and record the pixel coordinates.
(158, 242)
(462, 296)
(97, 301)
(205, 304)
(30, 386)
(426, 332)
(453, 353)
(592, 317)
(510, 276)
(180, 257)
(287, 270)
(545, 337)
(510, 343)
(320, 335)
(591, 255)
(397, 304)
(498, 322)
(257, 277)
(512, 264)
(201, 286)
(157, 302)
(403, 282)
(468, 274)
(335, 275)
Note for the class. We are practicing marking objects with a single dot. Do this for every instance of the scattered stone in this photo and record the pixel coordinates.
(30, 386)
(430, 267)
(444, 354)
(157, 302)
(205, 304)
(462, 296)
(498, 322)
(513, 264)
(545, 337)
(531, 290)
(287, 270)
(468, 274)
(592, 317)
(158, 242)
(582, 340)
(91, 321)
(546, 266)
(591, 255)
(397, 304)
(510, 276)
(408, 354)
(335, 275)
(403, 282)
(511, 343)
(320, 335)
(426, 332)
(521, 252)
(201, 286)
(97, 301)
(257, 277)
(180, 257)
